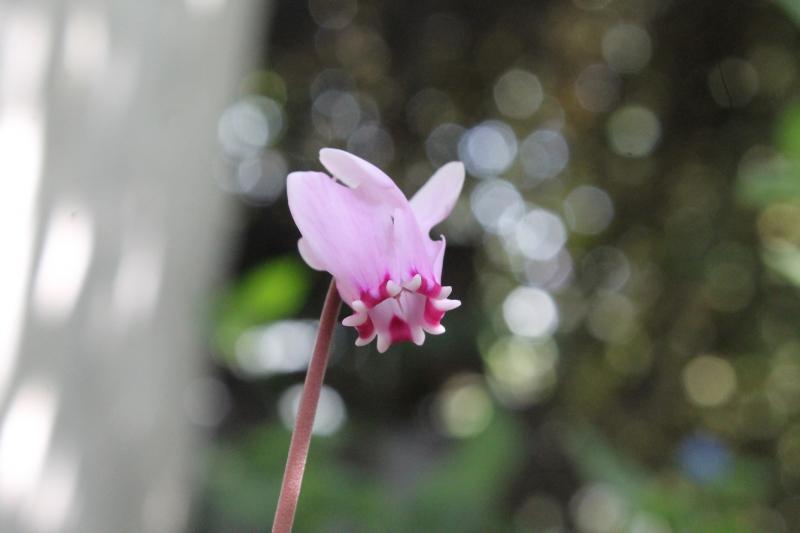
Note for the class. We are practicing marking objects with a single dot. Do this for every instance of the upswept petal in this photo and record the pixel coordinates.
(436, 199)
(353, 236)
(368, 180)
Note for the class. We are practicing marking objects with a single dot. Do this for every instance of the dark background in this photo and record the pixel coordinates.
(662, 396)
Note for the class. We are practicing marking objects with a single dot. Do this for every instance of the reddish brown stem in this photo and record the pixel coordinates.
(301, 436)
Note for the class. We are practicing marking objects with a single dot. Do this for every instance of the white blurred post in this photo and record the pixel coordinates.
(112, 233)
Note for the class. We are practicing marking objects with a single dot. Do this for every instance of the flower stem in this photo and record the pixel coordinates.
(301, 436)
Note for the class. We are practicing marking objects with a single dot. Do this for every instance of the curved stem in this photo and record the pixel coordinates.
(301, 436)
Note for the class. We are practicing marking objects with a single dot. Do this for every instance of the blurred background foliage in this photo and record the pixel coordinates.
(627, 250)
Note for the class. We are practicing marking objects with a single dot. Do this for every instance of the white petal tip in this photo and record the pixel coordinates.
(446, 305)
(435, 330)
(358, 306)
(414, 283)
(393, 288)
(363, 341)
(445, 291)
(383, 343)
(334, 160)
(418, 336)
(355, 320)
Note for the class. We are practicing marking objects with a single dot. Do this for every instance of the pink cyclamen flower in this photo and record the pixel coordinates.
(376, 244)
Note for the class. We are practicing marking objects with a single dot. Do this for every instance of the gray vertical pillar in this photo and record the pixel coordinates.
(111, 235)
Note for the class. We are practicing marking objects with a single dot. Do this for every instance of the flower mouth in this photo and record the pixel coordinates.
(400, 311)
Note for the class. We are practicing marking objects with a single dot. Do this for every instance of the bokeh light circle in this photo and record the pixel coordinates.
(335, 114)
(496, 204)
(518, 94)
(488, 149)
(709, 380)
(372, 143)
(588, 210)
(598, 508)
(540, 235)
(633, 131)
(544, 154)
(249, 125)
(530, 312)
(627, 47)
(521, 371)
(463, 407)
(331, 411)
(733, 82)
(441, 146)
(612, 317)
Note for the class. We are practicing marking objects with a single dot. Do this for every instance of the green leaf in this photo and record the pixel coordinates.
(792, 7)
(776, 181)
(463, 493)
(244, 482)
(597, 460)
(276, 289)
(783, 258)
(789, 131)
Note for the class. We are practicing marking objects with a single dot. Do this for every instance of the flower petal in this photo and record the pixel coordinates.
(309, 256)
(364, 177)
(377, 245)
(386, 316)
(410, 249)
(437, 251)
(434, 201)
(350, 236)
